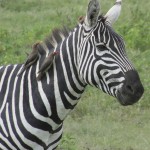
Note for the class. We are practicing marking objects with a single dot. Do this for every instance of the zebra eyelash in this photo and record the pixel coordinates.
(102, 47)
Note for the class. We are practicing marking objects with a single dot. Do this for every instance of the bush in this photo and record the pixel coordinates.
(137, 32)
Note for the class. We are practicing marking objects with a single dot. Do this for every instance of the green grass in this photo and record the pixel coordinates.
(98, 122)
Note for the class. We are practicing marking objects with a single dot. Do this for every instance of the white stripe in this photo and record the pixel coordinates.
(88, 65)
(104, 39)
(85, 54)
(20, 134)
(33, 109)
(3, 127)
(61, 111)
(47, 75)
(84, 43)
(66, 76)
(48, 78)
(90, 68)
(2, 78)
(1, 67)
(109, 59)
(105, 86)
(37, 132)
(20, 70)
(43, 95)
(71, 68)
(7, 142)
(53, 146)
(10, 129)
(74, 49)
(7, 89)
(72, 102)
(54, 137)
(105, 64)
(110, 72)
(120, 80)
(2, 147)
(123, 58)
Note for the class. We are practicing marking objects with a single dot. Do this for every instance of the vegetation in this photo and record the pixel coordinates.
(98, 122)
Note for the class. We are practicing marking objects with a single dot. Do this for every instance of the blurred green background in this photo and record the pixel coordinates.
(98, 122)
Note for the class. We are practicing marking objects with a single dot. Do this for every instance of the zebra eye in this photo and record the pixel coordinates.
(101, 47)
(105, 73)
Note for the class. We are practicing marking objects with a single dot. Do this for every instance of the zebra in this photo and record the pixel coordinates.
(32, 112)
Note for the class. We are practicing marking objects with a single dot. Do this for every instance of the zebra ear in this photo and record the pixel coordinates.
(113, 14)
(92, 13)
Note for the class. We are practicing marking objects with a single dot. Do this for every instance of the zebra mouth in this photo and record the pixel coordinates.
(125, 98)
(131, 90)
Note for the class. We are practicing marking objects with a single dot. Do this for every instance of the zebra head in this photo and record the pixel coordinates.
(103, 61)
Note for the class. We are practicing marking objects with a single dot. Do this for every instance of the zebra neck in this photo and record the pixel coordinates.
(68, 85)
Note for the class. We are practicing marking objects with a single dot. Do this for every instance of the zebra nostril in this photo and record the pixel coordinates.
(130, 89)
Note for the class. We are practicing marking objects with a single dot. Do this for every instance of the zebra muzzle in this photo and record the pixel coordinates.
(132, 89)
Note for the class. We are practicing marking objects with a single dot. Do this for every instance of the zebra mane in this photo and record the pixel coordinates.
(57, 36)
(102, 18)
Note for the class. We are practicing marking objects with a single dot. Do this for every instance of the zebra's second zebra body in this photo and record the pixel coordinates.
(32, 112)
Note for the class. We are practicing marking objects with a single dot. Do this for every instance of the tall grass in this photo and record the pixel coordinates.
(98, 122)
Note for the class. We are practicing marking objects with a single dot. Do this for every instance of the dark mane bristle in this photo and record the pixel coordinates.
(102, 18)
(56, 36)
